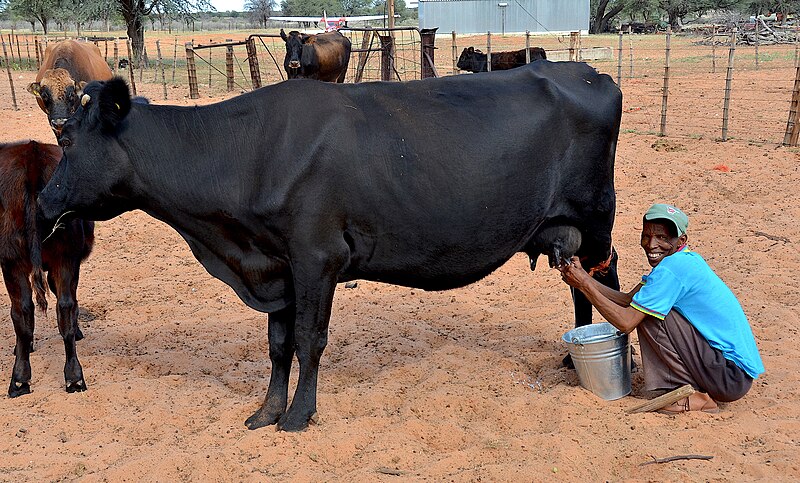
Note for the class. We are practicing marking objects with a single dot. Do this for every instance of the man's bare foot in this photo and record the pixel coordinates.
(698, 401)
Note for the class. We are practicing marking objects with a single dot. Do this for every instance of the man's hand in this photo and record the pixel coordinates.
(573, 274)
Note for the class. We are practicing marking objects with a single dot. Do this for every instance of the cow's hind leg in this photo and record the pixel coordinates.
(65, 278)
(558, 242)
(22, 315)
(281, 352)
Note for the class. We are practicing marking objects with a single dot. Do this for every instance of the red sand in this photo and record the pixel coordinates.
(463, 385)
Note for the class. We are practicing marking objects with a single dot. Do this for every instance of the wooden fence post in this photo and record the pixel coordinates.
(210, 41)
(619, 56)
(665, 94)
(363, 56)
(527, 46)
(174, 59)
(116, 56)
(427, 49)
(130, 65)
(630, 50)
(252, 59)
(488, 51)
(455, 51)
(575, 38)
(793, 123)
(192, 71)
(728, 82)
(37, 49)
(714, 50)
(758, 40)
(387, 57)
(229, 66)
(161, 68)
(28, 51)
(10, 77)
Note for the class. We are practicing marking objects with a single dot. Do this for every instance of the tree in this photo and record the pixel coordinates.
(604, 12)
(41, 11)
(677, 9)
(134, 13)
(261, 10)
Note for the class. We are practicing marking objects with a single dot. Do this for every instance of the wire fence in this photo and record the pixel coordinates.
(675, 85)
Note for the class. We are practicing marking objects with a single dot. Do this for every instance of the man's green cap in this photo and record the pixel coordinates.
(661, 211)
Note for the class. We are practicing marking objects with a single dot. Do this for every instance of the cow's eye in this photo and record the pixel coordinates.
(65, 142)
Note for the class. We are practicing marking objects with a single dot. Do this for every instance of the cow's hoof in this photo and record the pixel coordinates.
(77, 386)
(262, 418)
(294, 425)
(17, 389)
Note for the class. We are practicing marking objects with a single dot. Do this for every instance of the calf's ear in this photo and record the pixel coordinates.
(283, 36)
(114, 102)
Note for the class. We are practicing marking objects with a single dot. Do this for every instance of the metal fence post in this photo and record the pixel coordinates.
(728, 82)
(665, 94)
(714, 50)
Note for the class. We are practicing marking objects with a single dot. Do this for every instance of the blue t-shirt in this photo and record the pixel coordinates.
(683, 281)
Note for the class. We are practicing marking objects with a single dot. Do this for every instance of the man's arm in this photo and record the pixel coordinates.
(613, 305)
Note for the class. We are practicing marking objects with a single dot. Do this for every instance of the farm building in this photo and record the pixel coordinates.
(504, 16)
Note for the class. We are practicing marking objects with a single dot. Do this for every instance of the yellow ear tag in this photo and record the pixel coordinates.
(117, 105)
(85, 99)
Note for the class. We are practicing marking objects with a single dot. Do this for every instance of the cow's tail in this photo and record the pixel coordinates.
(32, 232)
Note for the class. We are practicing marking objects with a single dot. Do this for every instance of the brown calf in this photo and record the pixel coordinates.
(25, 254)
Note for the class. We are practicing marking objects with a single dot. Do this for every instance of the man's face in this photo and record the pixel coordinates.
(657, 241)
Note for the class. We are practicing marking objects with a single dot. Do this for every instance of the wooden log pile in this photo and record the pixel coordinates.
(768, 33)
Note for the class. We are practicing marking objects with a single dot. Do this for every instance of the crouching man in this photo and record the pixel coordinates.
(691, 328)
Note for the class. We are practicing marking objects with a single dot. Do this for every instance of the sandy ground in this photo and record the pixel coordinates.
(463, 385)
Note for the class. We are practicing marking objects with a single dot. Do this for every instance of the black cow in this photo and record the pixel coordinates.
(323, 57)
(474, 60)
(24, 256)
(382, 187)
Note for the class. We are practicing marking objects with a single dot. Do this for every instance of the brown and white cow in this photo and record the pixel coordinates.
(68, 65)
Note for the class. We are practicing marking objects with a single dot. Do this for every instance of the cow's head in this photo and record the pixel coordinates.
(294, 49)
(470, 60)
(58, 95)
(94, 178)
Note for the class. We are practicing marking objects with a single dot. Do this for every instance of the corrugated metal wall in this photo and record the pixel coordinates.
(498, 16)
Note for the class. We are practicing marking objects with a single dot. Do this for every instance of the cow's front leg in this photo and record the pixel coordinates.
(65, 278)
(314, 297)
(281, 352)
(19, 290)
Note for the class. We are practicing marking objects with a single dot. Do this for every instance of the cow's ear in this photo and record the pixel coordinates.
(35, 89)
(471, 49)
(114, 102)
(283, 36)
(79, 87)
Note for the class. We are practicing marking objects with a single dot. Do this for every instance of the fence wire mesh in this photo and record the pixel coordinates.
(761, 76)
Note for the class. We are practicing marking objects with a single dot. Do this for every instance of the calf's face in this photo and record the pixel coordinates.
(58, 96)
(92, 181)
(294, 49)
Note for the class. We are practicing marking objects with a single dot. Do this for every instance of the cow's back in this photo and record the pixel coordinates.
(82, 60)
(446, 158)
